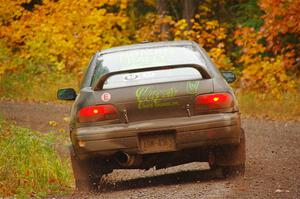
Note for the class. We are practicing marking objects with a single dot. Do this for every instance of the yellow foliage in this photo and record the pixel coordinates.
(208, 33)
(261, 73)
(10, 10)
(220, 58)
(66, 33)
(149, 28)
(248, 39)
(268, 76)
(52, 123)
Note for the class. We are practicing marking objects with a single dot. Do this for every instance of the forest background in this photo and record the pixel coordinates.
(47, 44)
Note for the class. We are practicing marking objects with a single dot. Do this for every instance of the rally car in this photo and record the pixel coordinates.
(156, 104)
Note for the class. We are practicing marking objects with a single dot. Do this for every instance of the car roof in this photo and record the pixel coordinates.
(147, 45)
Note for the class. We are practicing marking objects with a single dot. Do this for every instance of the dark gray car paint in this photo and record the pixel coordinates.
(123, 99)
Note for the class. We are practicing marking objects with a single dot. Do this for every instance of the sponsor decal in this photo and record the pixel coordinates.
(106, 97)
(148, 97)
(143, 57)
(130, 77)
(192, 87)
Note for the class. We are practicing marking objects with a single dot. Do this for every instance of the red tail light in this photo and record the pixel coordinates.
(213, 101)
(97, 113)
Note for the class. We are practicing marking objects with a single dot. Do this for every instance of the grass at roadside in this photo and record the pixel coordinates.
(29, 164)
(259, 105)
(28, 86)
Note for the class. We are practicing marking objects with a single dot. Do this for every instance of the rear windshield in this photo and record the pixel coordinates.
(151, 77)
(149, 57)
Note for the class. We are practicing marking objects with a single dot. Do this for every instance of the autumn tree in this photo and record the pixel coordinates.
(281, 29)
(65, 33)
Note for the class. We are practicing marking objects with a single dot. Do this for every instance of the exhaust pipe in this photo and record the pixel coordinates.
(127, 160)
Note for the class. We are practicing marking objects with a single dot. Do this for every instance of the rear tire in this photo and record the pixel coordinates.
(86, 174)
(230, 160)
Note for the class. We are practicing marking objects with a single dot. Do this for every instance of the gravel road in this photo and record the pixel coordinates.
(272, 168)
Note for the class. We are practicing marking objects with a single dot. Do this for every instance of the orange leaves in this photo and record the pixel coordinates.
(281, 17)
(66, 33)
(281, 20)
(10, 9)
(211, 25)
(149, 28)
(261, 73)
(248, 39)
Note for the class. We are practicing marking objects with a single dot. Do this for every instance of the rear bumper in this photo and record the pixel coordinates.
(191, 132)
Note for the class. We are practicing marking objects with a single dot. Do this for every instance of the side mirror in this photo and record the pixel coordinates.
(229, 76)
(66, 94)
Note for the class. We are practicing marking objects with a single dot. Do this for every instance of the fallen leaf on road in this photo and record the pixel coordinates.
(52, 123)
(66, 119)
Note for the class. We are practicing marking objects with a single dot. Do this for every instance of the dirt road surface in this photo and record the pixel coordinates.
(272, 168)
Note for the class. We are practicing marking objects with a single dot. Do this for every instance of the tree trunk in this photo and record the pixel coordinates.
(162, 10)
(188, 10)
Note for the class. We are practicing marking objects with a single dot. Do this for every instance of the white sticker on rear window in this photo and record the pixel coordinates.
(132, 76)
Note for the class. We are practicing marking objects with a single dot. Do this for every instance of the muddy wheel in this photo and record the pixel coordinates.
(87, 176)
(230, 160)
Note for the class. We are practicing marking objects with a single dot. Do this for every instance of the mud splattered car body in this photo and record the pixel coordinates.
(153, 104)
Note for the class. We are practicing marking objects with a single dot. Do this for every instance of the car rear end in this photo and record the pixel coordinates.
(155, 109)
(153, 105)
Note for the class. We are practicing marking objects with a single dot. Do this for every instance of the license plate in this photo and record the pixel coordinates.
(157, 143)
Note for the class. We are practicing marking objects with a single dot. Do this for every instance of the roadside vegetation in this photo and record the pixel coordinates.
(287, 107)
(26, 85)
(29, 164)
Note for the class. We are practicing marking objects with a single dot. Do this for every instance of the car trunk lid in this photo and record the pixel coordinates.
(153, 93)
(156, 101)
